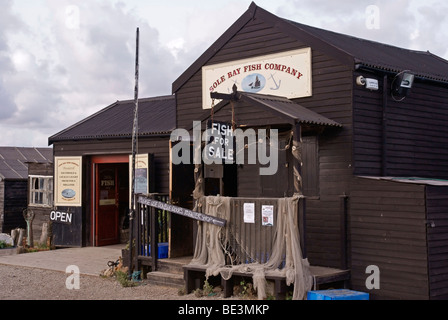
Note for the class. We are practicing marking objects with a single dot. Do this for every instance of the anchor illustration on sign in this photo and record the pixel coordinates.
(277, 86)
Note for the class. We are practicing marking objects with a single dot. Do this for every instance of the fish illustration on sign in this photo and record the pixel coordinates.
(68, 193)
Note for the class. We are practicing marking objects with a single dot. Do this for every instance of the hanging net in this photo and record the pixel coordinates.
(224, 250)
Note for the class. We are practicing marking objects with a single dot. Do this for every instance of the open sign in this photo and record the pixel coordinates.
(61, 217)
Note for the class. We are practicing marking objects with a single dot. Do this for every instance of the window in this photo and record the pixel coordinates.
(310, 167)
(41, 191)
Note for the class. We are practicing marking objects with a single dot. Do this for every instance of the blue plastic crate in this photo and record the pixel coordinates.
(162, 252)
(337, 294)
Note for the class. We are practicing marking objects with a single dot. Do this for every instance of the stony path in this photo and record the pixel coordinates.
(24, 283)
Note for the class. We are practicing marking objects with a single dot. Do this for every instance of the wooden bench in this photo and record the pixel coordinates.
(194, 276)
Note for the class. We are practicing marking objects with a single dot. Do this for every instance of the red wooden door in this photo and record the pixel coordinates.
(107, 200)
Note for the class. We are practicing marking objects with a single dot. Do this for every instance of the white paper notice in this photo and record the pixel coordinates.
(249, 212)
(267, 215)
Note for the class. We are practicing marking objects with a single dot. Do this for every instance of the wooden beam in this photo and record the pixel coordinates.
(182, 211)
(297, 157)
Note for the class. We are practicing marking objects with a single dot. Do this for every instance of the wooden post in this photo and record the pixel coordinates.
(139, 230)
(28, 215)
(154, 237)
(297, 158)
(302, 225)
(343, 230)
(134, 145)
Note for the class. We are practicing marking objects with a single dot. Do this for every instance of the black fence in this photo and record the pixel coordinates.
(151, 232)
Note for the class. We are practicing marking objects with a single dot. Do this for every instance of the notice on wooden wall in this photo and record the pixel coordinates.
(267, 215)
(67, 178)
(141, 174)
(249, 212)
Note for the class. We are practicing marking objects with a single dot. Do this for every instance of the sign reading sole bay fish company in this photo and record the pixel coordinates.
(286, 74)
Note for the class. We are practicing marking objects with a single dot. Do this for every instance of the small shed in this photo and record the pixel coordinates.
(400, 226)
(14, 163)
(97, 152)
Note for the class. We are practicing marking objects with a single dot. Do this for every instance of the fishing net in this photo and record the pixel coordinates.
(219, 249)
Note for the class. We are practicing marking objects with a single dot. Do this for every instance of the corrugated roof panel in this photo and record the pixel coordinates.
(289, 109)
(383, 56)
(155, 115)
(6, 172)
(13, 160)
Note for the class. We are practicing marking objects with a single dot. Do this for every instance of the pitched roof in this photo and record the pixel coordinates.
(13, 160)
(348, 49)
(382, 56)
(155, 116)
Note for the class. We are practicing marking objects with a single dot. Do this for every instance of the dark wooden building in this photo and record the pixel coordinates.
(102, 146)
(369, 120)
(373, 124)
(14, 164)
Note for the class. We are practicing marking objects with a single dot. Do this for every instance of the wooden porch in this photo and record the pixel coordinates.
(152, 215)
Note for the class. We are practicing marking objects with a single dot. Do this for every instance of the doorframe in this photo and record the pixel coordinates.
(95, 160)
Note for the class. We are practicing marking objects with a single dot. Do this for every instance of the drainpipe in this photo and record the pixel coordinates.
(384, 129)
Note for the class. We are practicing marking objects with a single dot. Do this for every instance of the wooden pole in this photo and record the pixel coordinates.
(134, 146)
(297, 158)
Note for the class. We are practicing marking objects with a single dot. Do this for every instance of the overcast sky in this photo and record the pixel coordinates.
(62, 60)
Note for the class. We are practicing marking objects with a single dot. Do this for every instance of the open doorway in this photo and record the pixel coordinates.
(111, 200)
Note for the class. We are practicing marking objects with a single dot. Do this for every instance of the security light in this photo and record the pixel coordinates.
(401, 84)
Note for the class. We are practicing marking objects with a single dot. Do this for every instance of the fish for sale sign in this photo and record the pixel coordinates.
(286, 74)
(219, 148)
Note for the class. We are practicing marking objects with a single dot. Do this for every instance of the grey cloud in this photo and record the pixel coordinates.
(81, 66)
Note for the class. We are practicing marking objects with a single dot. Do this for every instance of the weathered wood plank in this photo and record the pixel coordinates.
(182, 211)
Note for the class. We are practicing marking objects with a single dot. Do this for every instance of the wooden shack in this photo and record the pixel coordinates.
(382, 112)
(96, 152)
(361, 134)
(14, 163)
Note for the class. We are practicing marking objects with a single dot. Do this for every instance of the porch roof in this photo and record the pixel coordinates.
(287, 109)
(280, 107)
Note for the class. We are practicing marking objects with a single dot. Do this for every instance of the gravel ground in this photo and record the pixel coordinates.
(23, 283)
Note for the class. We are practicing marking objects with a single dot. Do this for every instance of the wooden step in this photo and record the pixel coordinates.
(168, 279)
(173, 265)
(169, 267)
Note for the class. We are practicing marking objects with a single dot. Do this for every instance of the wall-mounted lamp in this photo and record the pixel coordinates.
(401, 85)
(368, 83)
